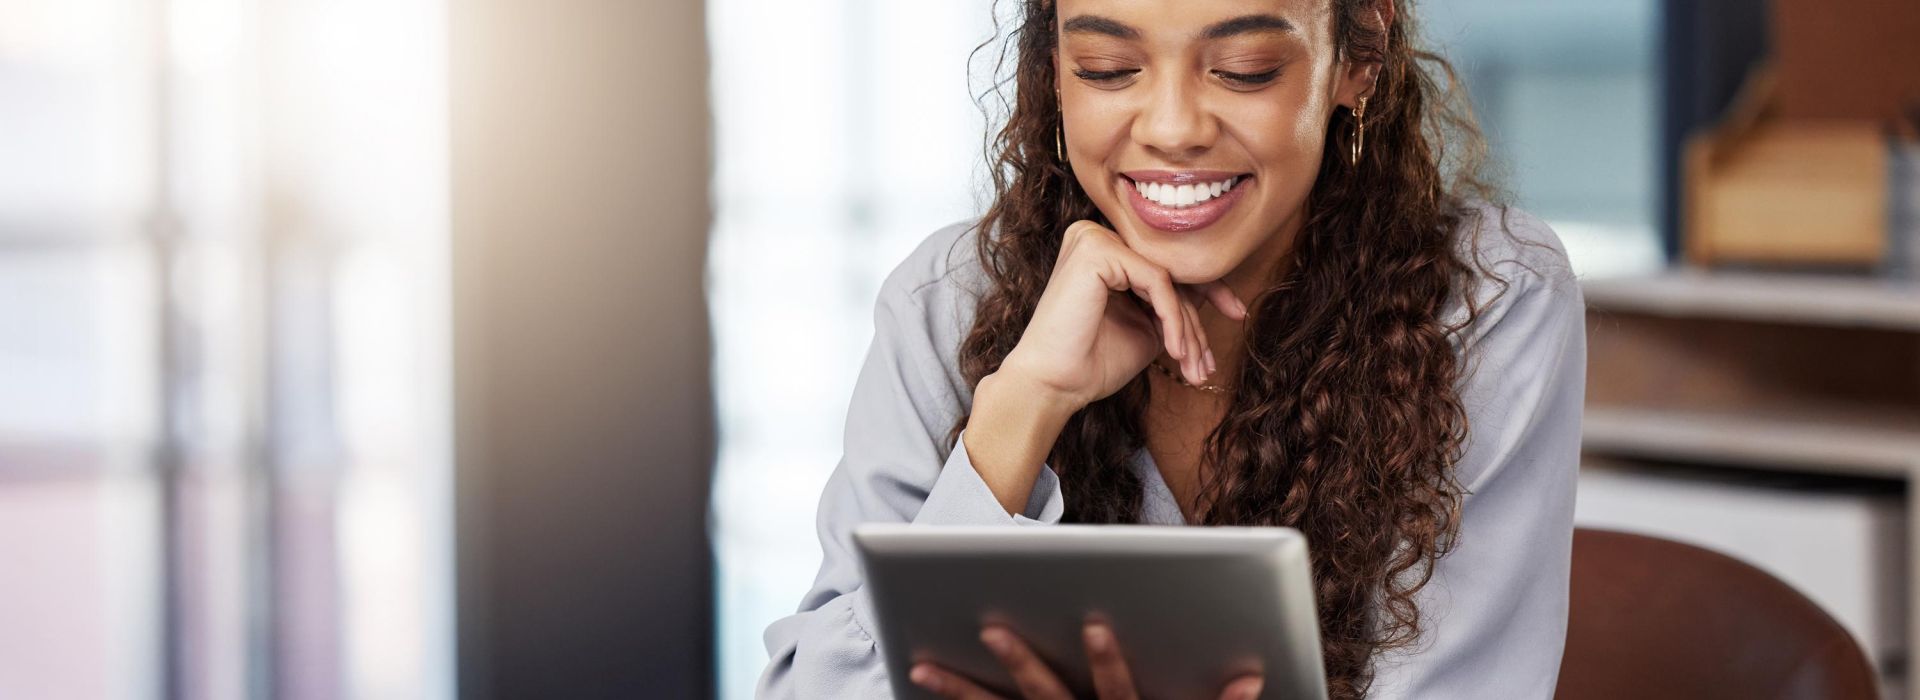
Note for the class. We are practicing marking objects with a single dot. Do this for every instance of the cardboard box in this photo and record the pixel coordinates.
(1761, 189)
(1789, 194)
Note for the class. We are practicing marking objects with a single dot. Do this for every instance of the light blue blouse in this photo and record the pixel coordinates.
(1495, 613)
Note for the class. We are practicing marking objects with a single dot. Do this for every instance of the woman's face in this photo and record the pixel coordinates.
(1192, 97)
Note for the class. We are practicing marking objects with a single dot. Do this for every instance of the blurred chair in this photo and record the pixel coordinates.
(1653, 619)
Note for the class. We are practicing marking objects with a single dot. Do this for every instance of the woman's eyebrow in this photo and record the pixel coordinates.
(1095, 24)
(1247, 24)
(1244, 24)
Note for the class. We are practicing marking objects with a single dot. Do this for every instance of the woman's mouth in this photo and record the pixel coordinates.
(1185, 200)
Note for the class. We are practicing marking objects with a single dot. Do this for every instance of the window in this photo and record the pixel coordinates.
(223, 440)
(1568, 95)
(845, 134)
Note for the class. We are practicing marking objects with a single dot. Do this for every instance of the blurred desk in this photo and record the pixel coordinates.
(1799, 372)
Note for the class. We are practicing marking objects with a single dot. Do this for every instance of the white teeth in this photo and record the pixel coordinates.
(1182, 196)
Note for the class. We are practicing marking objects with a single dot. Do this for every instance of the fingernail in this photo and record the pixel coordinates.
(1098, 639)
(1253, 689)
(995, 640)
(1210, 366)
(925, 678)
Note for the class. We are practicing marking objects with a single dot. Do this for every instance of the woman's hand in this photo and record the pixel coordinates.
(1085, 340)
(1111, 679)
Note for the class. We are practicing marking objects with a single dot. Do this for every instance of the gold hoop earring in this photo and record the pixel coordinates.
(1359, 132)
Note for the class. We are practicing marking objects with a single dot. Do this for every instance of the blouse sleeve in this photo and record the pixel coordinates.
(1494, 615)
(896, 467)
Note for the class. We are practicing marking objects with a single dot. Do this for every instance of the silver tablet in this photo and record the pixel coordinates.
(1193, 607)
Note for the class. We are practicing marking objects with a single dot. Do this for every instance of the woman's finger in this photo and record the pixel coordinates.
(1199, 338)
(1036, 681)
(1243, 688)
(1111, 679)
(1194, 300)
(947, 684)
(1156, 288)
(1126, 270)
(1191, 365)
(1222, 297)
(1137, 314)
(1195, 366)
(1196, 297)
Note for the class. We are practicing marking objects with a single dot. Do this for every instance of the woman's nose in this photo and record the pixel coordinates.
(1173, 123)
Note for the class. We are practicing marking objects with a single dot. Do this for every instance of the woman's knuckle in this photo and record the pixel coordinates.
(1089, 239)
(1078, 230)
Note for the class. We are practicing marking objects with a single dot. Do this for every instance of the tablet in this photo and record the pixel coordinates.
(1193, 607)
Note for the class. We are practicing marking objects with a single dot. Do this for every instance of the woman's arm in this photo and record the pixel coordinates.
(892, 470)
(1085, 341)
(1494, 616)
(1023, 421)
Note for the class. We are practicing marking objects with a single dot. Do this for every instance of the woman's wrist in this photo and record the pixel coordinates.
(1010, 432)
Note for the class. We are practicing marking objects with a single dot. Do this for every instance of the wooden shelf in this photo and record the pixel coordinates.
(1823, 299)
(1830, 441)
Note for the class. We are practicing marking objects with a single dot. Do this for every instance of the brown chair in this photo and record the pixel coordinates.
(1654, 619)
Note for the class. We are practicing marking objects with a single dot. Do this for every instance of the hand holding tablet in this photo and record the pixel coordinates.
(1177, 612)
(1105, 657)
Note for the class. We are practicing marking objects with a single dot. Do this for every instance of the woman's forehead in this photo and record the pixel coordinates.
(1191, 20)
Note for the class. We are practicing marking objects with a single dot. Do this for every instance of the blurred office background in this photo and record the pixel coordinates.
(422, 348)
(224, 438)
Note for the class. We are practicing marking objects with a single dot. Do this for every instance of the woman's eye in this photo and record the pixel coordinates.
(1111, 77)
(1248, 79)
(1103, 76)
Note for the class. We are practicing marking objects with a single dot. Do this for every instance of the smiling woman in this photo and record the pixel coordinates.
(1281, 194)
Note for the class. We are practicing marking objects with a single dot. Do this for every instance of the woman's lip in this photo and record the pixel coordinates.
(1174, 220)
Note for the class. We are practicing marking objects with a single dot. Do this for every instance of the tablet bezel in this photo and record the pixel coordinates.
(922, 580)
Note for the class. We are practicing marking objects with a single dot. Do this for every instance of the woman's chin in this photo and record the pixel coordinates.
(1189, 259)
(1201, 277)
(1198, 270)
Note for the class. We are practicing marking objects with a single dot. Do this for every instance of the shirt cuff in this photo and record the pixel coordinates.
(961, 497)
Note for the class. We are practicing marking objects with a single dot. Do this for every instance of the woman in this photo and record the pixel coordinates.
(1224, 281)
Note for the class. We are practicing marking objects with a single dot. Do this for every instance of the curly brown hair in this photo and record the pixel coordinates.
(1347, 422)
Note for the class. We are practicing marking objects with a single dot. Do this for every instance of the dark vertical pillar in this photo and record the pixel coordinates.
(583, 409)
(1707, 47)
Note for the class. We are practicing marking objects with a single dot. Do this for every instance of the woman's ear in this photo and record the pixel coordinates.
(1357, 81)
(1358, 78)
